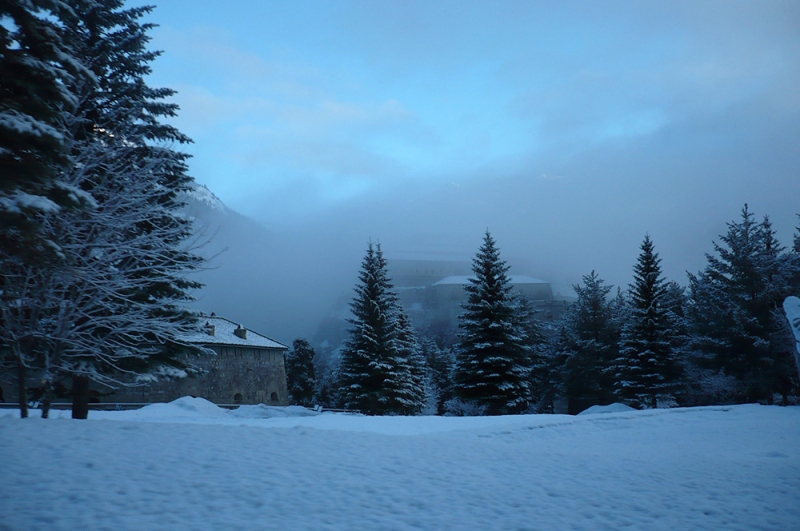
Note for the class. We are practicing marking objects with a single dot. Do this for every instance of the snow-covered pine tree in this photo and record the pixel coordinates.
(492, 360)
(734, 311)
(363, 364)
(647, 366)
(708, 383)
(110, 307)
(300, 374)
(439, 364)
(587, 344)
(35, 69)
(536, 343)
(122, 115)
(326, 391)
(406, 386)
(374, 373)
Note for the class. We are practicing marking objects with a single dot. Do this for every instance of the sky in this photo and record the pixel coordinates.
(569, 130)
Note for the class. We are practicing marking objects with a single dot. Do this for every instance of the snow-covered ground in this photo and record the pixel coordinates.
(189, 465)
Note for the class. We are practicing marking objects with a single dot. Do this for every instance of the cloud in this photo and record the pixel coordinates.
(281, 128)
(569, 129)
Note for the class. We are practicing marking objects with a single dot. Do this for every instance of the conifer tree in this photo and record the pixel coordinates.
(35, 67)
(536, 344)
(326, 391)
(110, 308)
(378, 373)
(791, 263)
(796, 239)
(734, 310)
(405, 385)
(492, 361)
(125, 157)
(300, 374)
(439, 363)
(647, 366)
(587, 344)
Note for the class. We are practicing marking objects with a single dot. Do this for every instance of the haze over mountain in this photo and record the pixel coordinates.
(569, 131)
(284, 280)
(274, 284)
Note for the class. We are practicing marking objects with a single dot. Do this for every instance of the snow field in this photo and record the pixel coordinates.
(189, 465)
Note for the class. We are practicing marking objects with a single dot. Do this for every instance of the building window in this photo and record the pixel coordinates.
(273, 396)
(237, 398)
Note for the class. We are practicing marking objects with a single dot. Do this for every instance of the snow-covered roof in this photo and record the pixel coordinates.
(513, 279)
(224, 334)
(423, 257)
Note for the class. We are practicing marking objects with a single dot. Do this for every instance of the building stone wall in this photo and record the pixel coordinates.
(421, 273)
(236, 374)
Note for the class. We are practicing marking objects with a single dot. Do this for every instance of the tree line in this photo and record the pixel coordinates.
(724, 339)
(94, 249)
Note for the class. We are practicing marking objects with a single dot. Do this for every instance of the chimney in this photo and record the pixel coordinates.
(210, 329)
(241, 332)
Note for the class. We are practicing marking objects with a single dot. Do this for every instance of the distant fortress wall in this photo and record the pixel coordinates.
(432, 290)
(422, 273)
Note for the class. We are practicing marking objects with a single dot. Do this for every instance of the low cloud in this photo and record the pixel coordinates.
(569, 131)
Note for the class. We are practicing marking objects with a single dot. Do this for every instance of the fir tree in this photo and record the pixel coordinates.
(492, 361)
(121, 116)
(791, 263)
(734, 311)
(439, 363)
(535, 342)
(796, 239)
(300, 375)
(110, 306)
(647, 366)
(326, 391)
(587, 344)
(378, 373)
(405, 385)
(35, 67)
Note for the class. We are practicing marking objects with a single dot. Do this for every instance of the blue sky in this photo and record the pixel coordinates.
(570, 129)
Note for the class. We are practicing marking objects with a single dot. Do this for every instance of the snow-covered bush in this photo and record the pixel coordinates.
(456, 407)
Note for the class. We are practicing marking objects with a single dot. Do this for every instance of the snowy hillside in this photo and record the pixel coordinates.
(200, 193)
(190, 465)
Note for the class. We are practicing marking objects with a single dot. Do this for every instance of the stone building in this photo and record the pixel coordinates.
(244, 368)
(447, 296)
